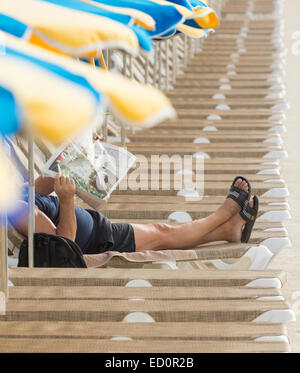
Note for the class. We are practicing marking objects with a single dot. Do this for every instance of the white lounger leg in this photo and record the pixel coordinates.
(258, 256)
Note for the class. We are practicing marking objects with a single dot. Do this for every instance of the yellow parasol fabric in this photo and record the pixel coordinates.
(53, 107)
(195, 20)
(69, 31)
(206, 18)
(134, 104)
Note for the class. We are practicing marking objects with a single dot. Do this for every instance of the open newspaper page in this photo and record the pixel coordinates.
(96, 168)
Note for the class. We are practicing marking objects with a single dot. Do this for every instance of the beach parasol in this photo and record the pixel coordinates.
(54, 103)
(11, 113)
(73, 95)
(140, 18)
(67, 104)
(10, 192)
(135, 105)
(70, 31)
(165, 15)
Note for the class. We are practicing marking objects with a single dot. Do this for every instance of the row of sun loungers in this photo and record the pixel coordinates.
(215, 298)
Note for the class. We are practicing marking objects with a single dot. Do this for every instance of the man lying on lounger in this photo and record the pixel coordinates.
(94, 233)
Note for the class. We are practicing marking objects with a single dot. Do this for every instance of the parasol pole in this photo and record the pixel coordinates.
(159, 65)
(167, 64)
(108, 54)
(185, 50)
(155, 65)
(131, 74)
(174, 55)
(147, 70)
(3, 260)
(31, 201)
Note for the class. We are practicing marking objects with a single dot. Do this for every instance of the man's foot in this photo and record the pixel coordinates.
(233, 228)
(232, 207)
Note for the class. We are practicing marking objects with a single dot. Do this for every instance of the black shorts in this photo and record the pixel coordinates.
(108, 236)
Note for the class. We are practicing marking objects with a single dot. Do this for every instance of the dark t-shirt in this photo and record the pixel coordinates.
(50, 206)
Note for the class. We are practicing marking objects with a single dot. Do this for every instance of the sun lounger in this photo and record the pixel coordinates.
(146, 292)
(85, 345)
(159, 310)
(156, 277)
(200, 300)
(143, 331)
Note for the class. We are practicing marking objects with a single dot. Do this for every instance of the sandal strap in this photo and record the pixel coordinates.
(248, 213)
(237, 189)
(239, 196)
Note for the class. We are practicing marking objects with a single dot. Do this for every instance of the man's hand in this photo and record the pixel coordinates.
(64, 187)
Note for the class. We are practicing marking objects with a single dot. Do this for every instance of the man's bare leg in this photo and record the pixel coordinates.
(164, 236)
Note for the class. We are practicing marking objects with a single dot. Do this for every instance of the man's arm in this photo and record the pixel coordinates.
(44, 185)
(42, 223)
(67, 227)
(64, 187)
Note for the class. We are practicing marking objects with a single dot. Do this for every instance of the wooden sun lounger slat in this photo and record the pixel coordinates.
(227, 177)
(223, 69)
(162, 147)
(230, 171)
(192, 124)
(217, 190)
(120, 277)
(261, 83)
(243, 60)
(206, 200)
(142, 331)
(140, 211)
(231, 114)
(262, 49)
(189, 137)
(231, 94)
(218, 310)
(115, 292)
(252, 162)
(214, 136)
(235, 110)
(213, 152)
(64, 345)
(263, 36)
(267, 103)
(213, 77)
(176, 164)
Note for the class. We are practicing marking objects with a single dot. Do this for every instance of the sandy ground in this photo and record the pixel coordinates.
(289, 259)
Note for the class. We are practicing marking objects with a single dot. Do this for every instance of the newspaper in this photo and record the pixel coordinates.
(95, 166)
